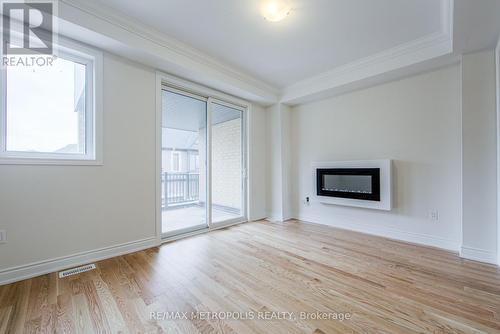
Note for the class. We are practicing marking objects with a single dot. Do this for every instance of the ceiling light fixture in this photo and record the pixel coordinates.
(275, 10)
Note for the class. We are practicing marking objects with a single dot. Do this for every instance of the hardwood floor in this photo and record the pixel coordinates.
(260, 270)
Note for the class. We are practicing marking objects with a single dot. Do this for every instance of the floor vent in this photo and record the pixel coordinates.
(75, 271)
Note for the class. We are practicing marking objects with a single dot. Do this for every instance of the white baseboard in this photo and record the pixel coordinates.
(417, 238)
(19, 273)
(274, 218)
(477, 254)
(257, 218)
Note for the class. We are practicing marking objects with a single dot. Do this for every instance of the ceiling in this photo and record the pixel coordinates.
(318, 36)
(476, 25)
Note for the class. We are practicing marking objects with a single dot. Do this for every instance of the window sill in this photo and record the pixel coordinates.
(50, 162)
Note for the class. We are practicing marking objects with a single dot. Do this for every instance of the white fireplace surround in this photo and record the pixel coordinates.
(385, 166)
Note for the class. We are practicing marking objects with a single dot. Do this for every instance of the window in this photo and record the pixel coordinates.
(49, 113)
(194, 162)
(176, 162)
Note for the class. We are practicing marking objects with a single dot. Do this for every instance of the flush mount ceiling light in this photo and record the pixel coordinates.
(275, 10)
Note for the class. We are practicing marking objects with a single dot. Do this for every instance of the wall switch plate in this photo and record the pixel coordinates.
(434, 215)
(3, 236)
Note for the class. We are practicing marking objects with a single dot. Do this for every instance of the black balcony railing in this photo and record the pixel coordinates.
(180, 189)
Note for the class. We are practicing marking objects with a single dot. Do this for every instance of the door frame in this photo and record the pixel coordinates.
(186, 87)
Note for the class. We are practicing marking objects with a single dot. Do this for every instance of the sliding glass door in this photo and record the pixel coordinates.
(183, 162)
(202, 163)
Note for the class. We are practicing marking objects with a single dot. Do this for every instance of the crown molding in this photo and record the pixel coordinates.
(180, 59)
(373, 69)
(151, 47)
(402, 56)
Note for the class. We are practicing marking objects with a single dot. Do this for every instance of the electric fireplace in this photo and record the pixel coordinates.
(354, 183)
(360, 183)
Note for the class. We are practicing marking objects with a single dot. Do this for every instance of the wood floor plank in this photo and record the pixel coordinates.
(213, 283)
(65, 322)
(5, 315)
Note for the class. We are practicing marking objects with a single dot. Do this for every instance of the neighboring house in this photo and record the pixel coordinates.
(183, 152)
(181, 164)
(226, 164)
(180, 151)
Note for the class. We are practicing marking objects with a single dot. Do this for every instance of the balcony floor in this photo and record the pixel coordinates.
(185, 217)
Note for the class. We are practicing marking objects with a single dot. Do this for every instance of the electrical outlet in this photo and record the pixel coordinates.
(3, 236)
(307, 201)
(434, 215)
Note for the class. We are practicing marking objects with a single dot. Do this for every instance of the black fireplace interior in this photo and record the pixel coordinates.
(355, 183)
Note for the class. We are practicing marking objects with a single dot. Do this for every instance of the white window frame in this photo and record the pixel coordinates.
(92, 59)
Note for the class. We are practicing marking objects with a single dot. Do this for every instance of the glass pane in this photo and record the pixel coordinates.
(183, 162)
(52, 119)
(348, 183)
(227, 182)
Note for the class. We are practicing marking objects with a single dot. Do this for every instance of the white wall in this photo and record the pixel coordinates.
(273, 160)
(497, 58)
(286, 156)
(416, 122)
(56, 211)
(258, 169)
(51, 213)
(278, 161)
(479, 157)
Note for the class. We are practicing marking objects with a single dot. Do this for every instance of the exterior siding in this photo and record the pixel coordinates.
(226, 163)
